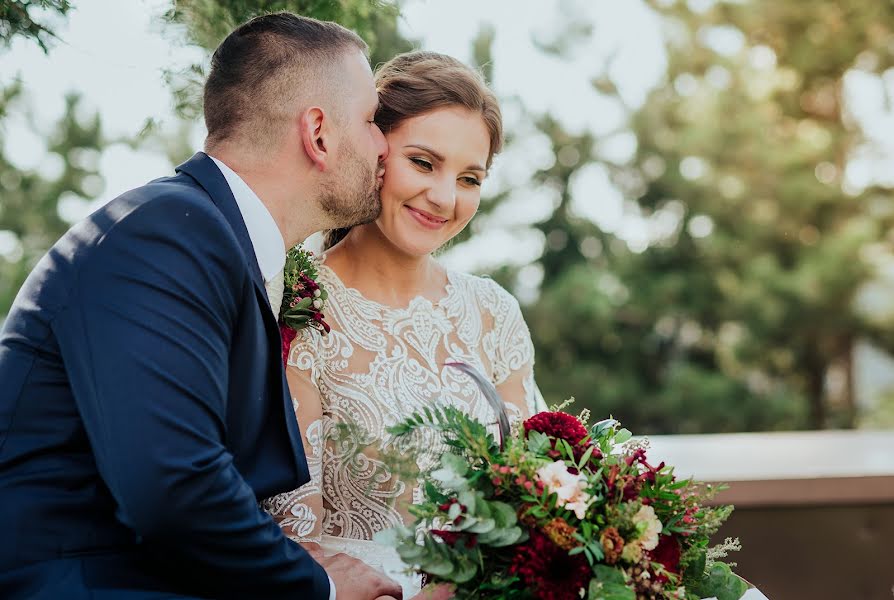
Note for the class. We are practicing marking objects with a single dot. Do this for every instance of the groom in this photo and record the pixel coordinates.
(143, 406)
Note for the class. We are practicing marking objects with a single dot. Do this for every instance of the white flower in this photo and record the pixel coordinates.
(649, 534)
(555, 475)
(579, 506)
(318, 304)
(317, 293)
(568, 487)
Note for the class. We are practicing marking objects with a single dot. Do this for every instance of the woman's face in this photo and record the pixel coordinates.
(433, 175)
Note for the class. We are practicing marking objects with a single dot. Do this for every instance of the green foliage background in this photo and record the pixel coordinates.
(745, 317)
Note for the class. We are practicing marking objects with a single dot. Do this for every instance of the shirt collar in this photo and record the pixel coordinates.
(266, 238)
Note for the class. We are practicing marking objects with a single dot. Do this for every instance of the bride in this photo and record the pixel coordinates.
(397, 317)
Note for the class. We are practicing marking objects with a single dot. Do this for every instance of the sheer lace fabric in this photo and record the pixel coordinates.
(379, 365)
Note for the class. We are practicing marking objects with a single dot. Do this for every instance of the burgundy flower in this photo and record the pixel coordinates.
(288, 334)
(564, 426)
(667, 553)
(548, 571)
(451, 538)
(559, 425)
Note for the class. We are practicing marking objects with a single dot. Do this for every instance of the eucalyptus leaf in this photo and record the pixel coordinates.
(503, 514)
(608, 574)
(441, 567)
(609, 591)
(454, 511)
(455, 463)
(721, 583)
(468, 498)
(623, 436)
(386, 537)
(482, 526)
(465, 571)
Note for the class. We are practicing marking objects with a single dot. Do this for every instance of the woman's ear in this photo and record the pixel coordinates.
(312, 128)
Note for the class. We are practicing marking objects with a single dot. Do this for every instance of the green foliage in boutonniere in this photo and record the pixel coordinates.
(303, 298)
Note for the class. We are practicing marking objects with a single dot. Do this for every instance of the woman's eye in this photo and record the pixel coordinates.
(471, 181)
(421, 162)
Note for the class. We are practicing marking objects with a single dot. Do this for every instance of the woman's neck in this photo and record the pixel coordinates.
(367, 261)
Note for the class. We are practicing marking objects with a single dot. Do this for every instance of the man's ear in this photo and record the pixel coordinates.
(313, 125)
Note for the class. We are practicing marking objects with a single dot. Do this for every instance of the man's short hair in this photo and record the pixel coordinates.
(261, 69)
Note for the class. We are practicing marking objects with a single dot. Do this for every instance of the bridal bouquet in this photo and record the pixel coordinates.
(560, 510)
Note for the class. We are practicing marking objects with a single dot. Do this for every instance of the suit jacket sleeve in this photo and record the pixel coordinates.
(146, 342)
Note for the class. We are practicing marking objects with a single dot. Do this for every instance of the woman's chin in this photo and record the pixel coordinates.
(416, 247)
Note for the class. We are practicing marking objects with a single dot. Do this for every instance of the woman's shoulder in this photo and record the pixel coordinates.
(487, 292)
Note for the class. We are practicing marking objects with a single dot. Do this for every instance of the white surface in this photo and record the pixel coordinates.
(752, 594)
(778, 455)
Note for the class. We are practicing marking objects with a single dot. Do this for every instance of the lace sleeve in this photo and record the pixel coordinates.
(513, 357)
(300, 512)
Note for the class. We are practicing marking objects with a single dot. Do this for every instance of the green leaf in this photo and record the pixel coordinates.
(538, 442)
(721, 582)
(441, 567)
(609, 590)
(454, 511)
(499, 538)
(454, 462)
(482, 526)
(503, 514)
(468, 498)
(608, 574)
(465, 571)
(622, 436)
(566, 447)
(699, 562)
(387, 537)
(586, 457)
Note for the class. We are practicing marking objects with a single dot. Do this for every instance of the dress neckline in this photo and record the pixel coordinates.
(449, 290)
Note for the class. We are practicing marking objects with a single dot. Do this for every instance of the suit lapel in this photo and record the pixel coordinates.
(203, 170)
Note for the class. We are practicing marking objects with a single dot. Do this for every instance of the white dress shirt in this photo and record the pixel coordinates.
(266, 238)
(268, 244)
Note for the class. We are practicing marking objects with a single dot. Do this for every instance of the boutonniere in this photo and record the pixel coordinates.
(303, 298)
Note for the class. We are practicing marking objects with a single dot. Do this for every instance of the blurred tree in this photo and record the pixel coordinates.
(30, 219)
(744, 315)
(755, 135)
(25, 18)
(208, 22)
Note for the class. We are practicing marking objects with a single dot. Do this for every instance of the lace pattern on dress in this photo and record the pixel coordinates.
(379, 365)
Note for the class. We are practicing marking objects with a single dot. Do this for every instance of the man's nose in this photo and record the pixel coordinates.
(382, 145)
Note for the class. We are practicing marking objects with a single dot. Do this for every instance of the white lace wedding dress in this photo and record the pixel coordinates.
(379, 365)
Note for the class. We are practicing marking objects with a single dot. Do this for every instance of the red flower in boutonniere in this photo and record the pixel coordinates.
(303, 298)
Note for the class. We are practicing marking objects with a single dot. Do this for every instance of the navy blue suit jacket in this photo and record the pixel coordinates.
(144, 409)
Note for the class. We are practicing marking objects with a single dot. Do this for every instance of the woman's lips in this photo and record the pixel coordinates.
(425, 219)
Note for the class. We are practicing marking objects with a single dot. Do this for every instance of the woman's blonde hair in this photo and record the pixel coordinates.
(419, 82)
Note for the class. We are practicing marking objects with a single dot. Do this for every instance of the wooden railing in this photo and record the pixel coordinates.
(814, 510)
